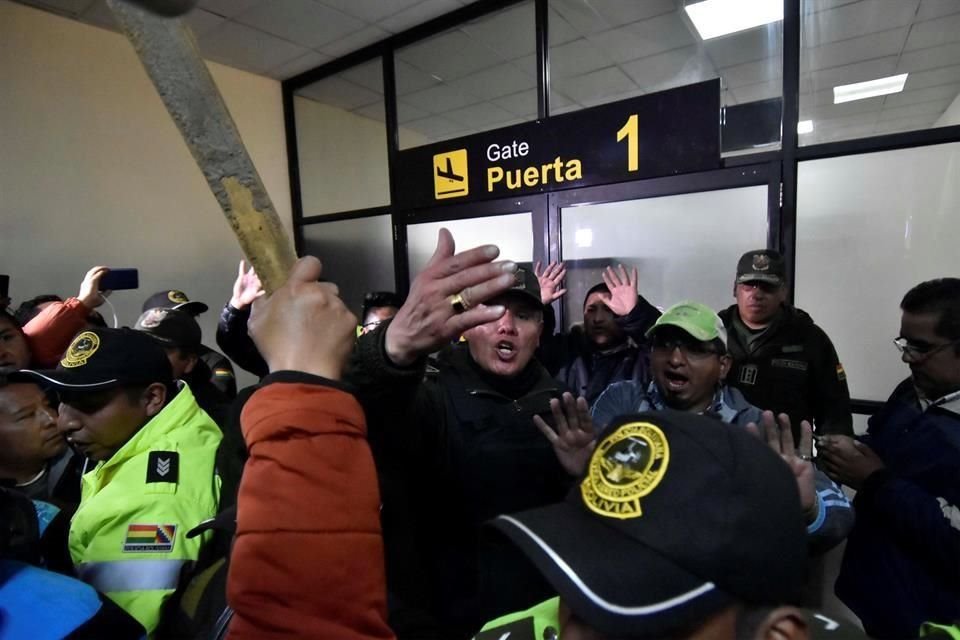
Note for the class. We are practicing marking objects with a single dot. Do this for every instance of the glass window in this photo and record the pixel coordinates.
(513, 233)
(911, 50)
(685, 246)
(870, 227)
(357, 255)
(342, 141)
(477, 77)
(608, 50)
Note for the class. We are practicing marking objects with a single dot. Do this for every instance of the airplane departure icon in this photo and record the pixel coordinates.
(450, 176)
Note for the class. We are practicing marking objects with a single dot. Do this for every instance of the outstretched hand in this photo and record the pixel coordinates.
(304, 325)
(428, 319)
(778, 434)
(90, 294)
(246, 288)
(623, 294)
(573, 441)
(551, 281)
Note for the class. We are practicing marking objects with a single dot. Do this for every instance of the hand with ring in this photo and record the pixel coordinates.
(445, 299)
(778, 434)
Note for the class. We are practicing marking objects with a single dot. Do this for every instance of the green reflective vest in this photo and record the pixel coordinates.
(929, 630)
(128, 537)
(539, 622)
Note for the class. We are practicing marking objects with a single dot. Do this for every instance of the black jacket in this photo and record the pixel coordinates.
(233, 338)
(588, 371)
(453, 449)
(791, 367)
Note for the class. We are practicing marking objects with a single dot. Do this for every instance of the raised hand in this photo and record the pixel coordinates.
(573, 441)
(551, 279)
(246, 288)
(430, 318)
(623, 294)
(779, 436)
(90, 294)
(304, 325)
(847, 460)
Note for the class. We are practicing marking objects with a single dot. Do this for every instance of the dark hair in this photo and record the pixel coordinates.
(941, 296)
(28, 309)
(602, 286)
(377, 299)
(6, 315)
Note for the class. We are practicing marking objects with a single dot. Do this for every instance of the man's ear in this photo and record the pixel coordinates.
(783, 623)
(154, 398)
(725, 363)
(192, 360)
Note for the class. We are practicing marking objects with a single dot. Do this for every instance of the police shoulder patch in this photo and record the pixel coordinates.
(163, 466)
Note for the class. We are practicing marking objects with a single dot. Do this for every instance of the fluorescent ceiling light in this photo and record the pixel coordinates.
(805, 126)
(715, 18)
(869, 89)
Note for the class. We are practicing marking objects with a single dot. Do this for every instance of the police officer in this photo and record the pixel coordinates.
(782, 361)
(218, 366)
(459, 447)
(152, 451)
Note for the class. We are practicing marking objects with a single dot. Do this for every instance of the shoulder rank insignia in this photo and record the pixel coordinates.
(163, 466)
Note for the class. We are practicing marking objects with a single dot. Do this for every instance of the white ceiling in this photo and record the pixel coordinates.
(481, 75)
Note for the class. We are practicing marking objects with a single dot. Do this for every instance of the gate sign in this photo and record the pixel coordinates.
(660, 134)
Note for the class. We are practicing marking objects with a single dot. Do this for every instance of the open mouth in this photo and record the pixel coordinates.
(506, 350)
(675, 381)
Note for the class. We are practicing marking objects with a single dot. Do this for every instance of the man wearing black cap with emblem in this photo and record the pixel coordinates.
(152, 478)
(458, 447)
(669, 535)
(220, 369)
(782, 361)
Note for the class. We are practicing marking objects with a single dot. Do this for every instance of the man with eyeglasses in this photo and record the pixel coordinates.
(150, 477)
(902, 563)
(689, 361)
(781, 360)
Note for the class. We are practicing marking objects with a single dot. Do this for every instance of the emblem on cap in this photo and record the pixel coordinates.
(152, 318)
(761, 262)
(80, 350)
(178, 297)
(626, 466)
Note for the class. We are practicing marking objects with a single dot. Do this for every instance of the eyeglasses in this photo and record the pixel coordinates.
(919, 352)
(691, 349)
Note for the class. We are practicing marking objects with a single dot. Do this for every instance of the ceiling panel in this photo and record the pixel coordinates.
(411, 79)
(301, 21)
(494, 82)
(293, 67)
(337, 92)
(932, 58)
(932, 109)
(746, 46)
(375, 111)
(930, 9)
(560, 30)
(594, 87)
(511, 32)
(370, 11)
(230, 8)
(203, 22)
(836, 54)
(826, 110)
(588, 17)
(856, 19)
(522, 104)
(848, 74)
(449, 55)
(941, 93)
(368, 75)
(671, 69)
(933, 33)
(418, 14)
(645, 38)
(933, 77)
(753, 72)
(407, 112)
(240, 46)
(483, 115)
(354, 41)
(576, 58)
(760, 91)
(439, 99)
(434, 127)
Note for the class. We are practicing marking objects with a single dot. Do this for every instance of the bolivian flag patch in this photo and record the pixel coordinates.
(149, 538)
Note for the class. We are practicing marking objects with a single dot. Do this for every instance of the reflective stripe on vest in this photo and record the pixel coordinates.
(131, 575)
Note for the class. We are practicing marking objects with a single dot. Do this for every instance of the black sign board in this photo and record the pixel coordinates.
(665, 133)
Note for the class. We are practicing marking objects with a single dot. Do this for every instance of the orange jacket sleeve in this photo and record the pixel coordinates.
(307, 560)
(49, 334)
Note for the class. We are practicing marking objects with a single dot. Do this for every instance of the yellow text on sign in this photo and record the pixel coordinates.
(450, 177)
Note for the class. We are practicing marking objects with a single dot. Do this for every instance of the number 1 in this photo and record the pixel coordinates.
(631, 131)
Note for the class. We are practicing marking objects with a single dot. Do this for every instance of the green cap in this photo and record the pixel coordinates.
(699, 320)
